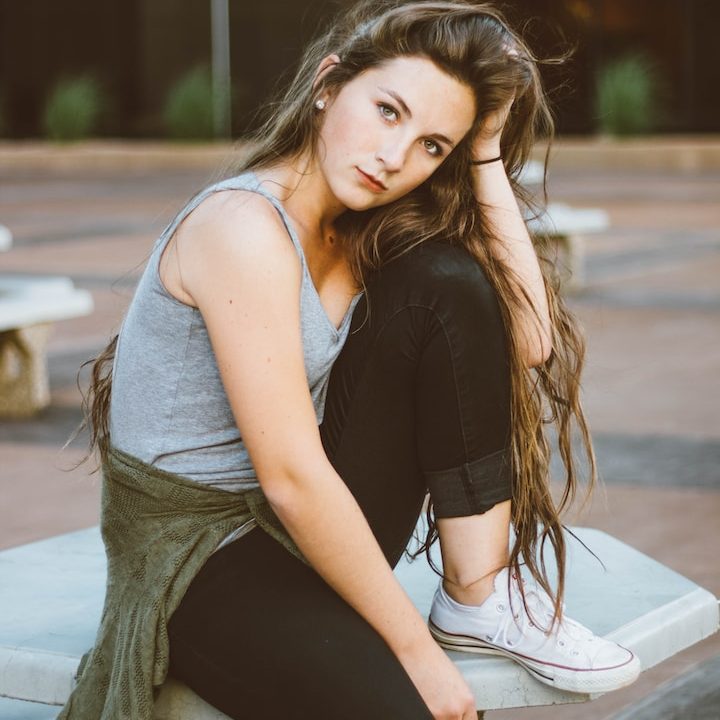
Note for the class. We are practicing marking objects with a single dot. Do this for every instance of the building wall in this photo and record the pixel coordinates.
(139, 48)
(173, 38)
(41, 40)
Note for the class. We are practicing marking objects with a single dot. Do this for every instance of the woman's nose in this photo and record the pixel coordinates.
(393, 155)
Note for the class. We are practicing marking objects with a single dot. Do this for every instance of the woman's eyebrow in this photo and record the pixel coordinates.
(400, 101)
(442, 138)
(406, 110)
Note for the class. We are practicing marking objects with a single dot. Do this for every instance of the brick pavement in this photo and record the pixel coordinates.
(651, 313)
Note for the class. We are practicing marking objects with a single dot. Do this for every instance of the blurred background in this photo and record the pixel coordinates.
(113, 113)
(141, 59)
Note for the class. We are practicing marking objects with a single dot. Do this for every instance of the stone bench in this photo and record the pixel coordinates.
(566, 226)
(28, 306)
(5, 238)
(52, 593)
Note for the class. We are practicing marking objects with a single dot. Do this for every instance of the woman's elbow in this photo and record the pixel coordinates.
(282, 492)
(285, 486)
(538, 352)
(541, 358)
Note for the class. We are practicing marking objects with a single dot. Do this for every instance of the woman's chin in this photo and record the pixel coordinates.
(364, 200)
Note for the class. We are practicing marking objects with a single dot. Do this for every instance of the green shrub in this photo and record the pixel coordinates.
(73, 109)
(188, 112)
(626, 99)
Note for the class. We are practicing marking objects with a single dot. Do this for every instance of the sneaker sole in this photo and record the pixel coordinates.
(582, 681)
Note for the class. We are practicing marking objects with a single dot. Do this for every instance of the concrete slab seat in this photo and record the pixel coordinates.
(566, 227)
(22, 710)
(28, 306)
(52, 594)
(5, 238)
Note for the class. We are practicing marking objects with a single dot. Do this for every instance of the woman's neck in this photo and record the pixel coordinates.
(300, 185)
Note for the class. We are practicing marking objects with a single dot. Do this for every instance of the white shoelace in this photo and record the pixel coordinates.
(570, 638)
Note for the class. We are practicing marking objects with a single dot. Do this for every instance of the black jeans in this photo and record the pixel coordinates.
(418, 399)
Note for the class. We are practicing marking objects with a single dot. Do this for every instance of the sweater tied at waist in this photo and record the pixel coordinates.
(159, 528)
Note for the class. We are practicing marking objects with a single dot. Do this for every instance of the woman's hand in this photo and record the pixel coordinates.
(486, 143)
(439, 682)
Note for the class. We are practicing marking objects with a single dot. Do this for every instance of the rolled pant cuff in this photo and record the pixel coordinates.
(472, 488)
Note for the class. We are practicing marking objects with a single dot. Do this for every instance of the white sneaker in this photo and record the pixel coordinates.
(570, 658)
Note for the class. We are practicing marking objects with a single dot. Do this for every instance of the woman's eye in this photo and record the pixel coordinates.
(388, 112)
(433, 148)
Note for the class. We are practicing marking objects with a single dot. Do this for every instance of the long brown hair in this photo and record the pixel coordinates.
(470, 41)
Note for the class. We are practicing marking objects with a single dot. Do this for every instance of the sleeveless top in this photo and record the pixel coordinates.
(168, 406)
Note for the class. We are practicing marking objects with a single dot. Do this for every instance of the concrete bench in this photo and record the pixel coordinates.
(5, 239)
(28, 306)
(566, 226)
(52, 593)
(23, 710)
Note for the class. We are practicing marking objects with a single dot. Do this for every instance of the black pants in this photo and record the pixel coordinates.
(418, 399)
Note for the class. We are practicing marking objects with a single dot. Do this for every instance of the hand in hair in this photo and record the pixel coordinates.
(486, 143)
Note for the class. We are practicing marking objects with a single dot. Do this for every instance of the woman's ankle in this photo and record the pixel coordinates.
(471, 594)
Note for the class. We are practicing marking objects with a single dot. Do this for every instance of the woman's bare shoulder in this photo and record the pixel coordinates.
(233, 233)
(228, 212)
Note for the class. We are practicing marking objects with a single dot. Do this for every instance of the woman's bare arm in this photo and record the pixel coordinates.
(511, 243)
(247, 287)
(512, 246)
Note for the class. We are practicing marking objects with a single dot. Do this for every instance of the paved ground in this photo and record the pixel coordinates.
(651, 312)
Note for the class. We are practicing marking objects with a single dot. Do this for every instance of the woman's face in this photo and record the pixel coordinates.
(388, 129)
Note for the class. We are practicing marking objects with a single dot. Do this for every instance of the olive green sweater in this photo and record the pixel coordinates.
(159, 528)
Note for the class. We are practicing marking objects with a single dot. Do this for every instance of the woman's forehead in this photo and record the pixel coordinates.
(430, 94)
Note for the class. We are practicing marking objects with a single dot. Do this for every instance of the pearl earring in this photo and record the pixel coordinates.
(320, 104)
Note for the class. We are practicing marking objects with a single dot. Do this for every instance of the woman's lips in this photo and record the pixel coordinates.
(369, 182)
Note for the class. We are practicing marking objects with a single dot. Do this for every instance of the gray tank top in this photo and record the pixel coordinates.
(168, 406)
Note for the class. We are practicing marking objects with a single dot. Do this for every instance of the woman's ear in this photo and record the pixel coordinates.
(325, 66)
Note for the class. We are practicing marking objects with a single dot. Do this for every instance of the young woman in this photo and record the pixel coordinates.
(254, 503)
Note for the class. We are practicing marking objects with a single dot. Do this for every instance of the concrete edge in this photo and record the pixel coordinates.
(11, 709)
(19, 312)
(686, 154)
(97, 156)
(698, 605)
(490, 677)
(37, 675)
(683, 697)
(661, 152)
